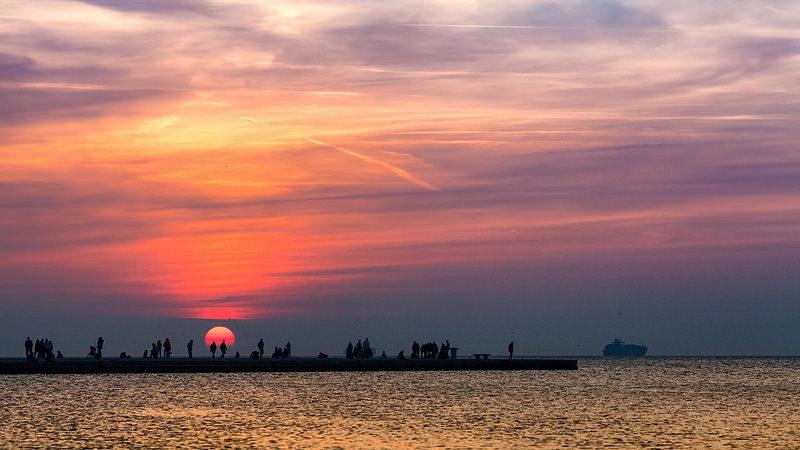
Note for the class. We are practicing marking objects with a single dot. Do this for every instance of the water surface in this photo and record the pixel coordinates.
(652, 402)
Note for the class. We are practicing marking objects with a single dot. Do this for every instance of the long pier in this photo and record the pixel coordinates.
(233, 365)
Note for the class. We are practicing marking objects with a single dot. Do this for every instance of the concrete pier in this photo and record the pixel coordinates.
(217, 365)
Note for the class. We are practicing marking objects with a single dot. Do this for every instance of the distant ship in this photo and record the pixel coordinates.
(620, 348)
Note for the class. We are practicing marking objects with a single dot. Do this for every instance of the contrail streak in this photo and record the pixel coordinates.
(510, 27)
(396, 170)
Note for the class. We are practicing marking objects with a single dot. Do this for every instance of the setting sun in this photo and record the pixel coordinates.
(219, 334)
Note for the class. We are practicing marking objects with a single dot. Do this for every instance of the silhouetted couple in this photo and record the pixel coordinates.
(223, 348)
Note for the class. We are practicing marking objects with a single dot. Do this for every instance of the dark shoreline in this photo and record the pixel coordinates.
(231, 365)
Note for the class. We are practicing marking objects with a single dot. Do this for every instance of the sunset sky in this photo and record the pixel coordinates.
(561, 171)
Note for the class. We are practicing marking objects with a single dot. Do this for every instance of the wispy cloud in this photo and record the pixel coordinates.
(394, 169)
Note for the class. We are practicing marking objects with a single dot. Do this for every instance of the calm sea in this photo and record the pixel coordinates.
(650, 402)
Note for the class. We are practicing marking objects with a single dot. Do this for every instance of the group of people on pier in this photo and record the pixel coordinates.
(430, 350)
(359, 351)
(160, 349)
(41, 349)
(285, 352)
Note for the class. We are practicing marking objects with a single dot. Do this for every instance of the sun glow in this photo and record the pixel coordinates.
(219, 334)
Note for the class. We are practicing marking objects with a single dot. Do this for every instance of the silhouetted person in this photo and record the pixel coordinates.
(92, 352)
(261, 348)
(511, 350)
(414, 350)
(190, 347)
(28, 347)
(100, 342)
(237, 356)
(154, 351)
(167, 348)
(222, 349)
(383, 355)
(367, 349)
(287, 352)
(358, 352)
(144, 355)
(213, 348)
(37, 348)
(48, 349)
(348, 353)
(59, 355)
(159, 346)
(401, 355)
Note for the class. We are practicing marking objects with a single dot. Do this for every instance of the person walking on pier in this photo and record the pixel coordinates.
(28, 348)
(511, 350)
(159, 346)
(261, 348)
(223, 348)
(189, 347)
(167, 348)
(153, 351)
(100, 342)
(287, 352)
(213, 348)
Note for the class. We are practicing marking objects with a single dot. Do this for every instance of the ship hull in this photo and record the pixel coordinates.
(627, 350)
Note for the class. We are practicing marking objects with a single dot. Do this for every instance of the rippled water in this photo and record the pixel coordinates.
(653, 402)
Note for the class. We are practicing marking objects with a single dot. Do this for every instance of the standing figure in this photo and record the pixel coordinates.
(28, 348)
(48, 347)
(189, 347)
(287, 353)
(213, 349)
(367, 349)
(260, 348)
(511, 350)
(348, 353)
(223, 348)
(153, 351)
(100, 342)
(167, 348)
(159, 346)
